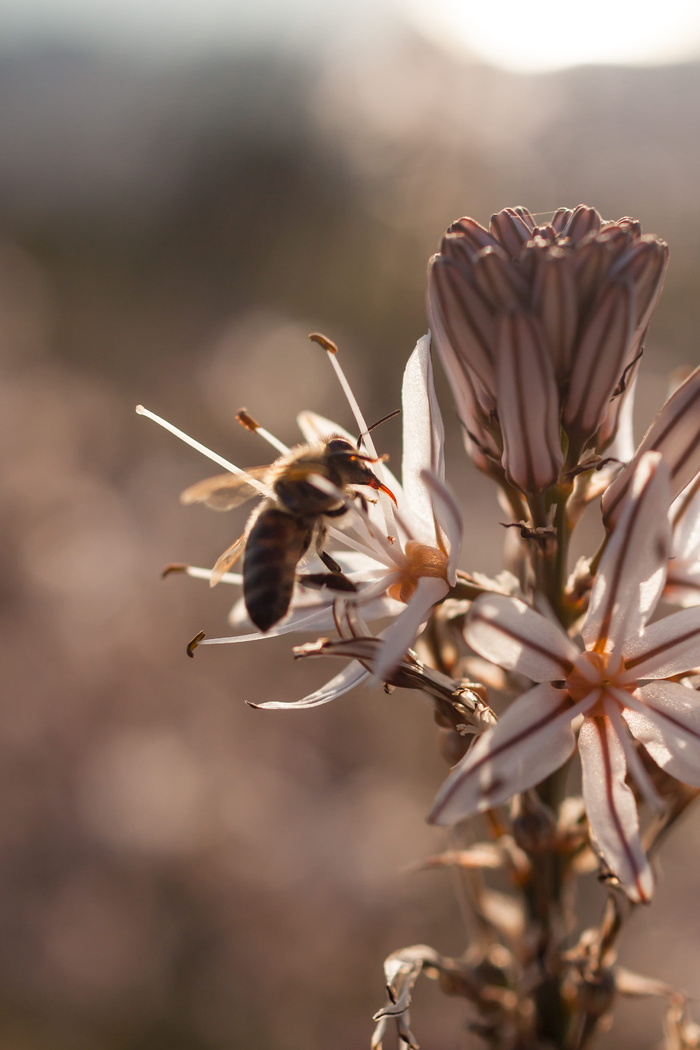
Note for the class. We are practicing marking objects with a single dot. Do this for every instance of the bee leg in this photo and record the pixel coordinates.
(330, 563)
(333, 580)
(336, 512)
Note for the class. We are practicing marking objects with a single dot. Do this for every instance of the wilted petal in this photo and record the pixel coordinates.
(667, 723)
(348, 678)
(532, 739)
(528, 405)
(611, 809)
(423, 440)
(407, 625)
(669, 647)
(675, 433)
(599, 361)
(510, 634)
(632, 571)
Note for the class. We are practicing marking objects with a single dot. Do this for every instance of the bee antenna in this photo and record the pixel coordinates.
(390, 415)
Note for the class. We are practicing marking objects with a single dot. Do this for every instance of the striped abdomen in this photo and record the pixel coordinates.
(276, 543)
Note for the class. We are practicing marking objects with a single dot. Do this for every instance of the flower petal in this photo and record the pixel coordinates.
(423, 440)
(668, 647)
(599, 360)
(632, 571)
(348, 678)
(528, 404)
(406, 627)
(448, 518)
(460, 318)
(509, 633)
(667, 724)
(676, 434)
(611, 809)
(533, 738)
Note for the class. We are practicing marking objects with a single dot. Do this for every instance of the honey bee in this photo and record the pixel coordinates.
(289, 522)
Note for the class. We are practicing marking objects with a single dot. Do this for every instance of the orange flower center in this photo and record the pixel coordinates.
(595, 671)
(419, 560)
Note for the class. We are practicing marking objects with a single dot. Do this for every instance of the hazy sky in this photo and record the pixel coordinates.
(537, 34)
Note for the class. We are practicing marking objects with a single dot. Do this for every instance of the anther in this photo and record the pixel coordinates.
(174, 566)
(247, 421)
(191, 646)
(324, 342)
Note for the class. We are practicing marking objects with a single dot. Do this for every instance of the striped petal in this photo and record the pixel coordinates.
(460, 318)
(599, 361)
(611, 808)
(666, 720)
(532, 739)
(528, 404)
(669, 647)
(510, 634)
(675, 433)
(632, 571)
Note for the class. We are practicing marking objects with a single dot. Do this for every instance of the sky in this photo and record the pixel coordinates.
(533, 36)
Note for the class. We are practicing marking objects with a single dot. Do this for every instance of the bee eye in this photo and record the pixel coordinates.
(339, 446)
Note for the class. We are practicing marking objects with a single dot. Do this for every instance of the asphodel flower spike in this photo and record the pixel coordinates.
(623, 682)
(539, 327)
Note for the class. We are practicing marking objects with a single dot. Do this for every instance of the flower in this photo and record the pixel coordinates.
(675, 433)
(401, 562)
(405, 578)
(620, 683)
(683, 580)
(539, 328)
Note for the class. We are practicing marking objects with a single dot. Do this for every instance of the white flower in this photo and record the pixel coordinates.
(621, 683)
(401, 562)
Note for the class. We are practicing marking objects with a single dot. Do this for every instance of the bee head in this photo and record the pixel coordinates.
(352, 465)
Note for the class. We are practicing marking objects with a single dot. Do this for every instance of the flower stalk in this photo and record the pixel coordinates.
(565, 696)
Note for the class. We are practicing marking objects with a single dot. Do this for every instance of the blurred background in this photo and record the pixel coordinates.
(186, 190)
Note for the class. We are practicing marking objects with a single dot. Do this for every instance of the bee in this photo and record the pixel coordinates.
(289, 522)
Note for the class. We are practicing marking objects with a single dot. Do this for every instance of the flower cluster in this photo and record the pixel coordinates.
(540, 327)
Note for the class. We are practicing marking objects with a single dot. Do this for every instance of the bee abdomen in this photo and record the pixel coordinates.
(276, 543)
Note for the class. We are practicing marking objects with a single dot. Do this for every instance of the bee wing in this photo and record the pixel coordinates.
(227, 559)
(224, 491)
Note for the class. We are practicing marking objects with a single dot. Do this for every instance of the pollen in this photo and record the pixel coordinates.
(419, 560)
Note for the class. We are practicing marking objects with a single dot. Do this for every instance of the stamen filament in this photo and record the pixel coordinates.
(206, 574)
(332, 355)
(225, 463)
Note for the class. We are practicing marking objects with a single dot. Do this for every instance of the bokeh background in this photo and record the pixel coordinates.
(186, 190)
